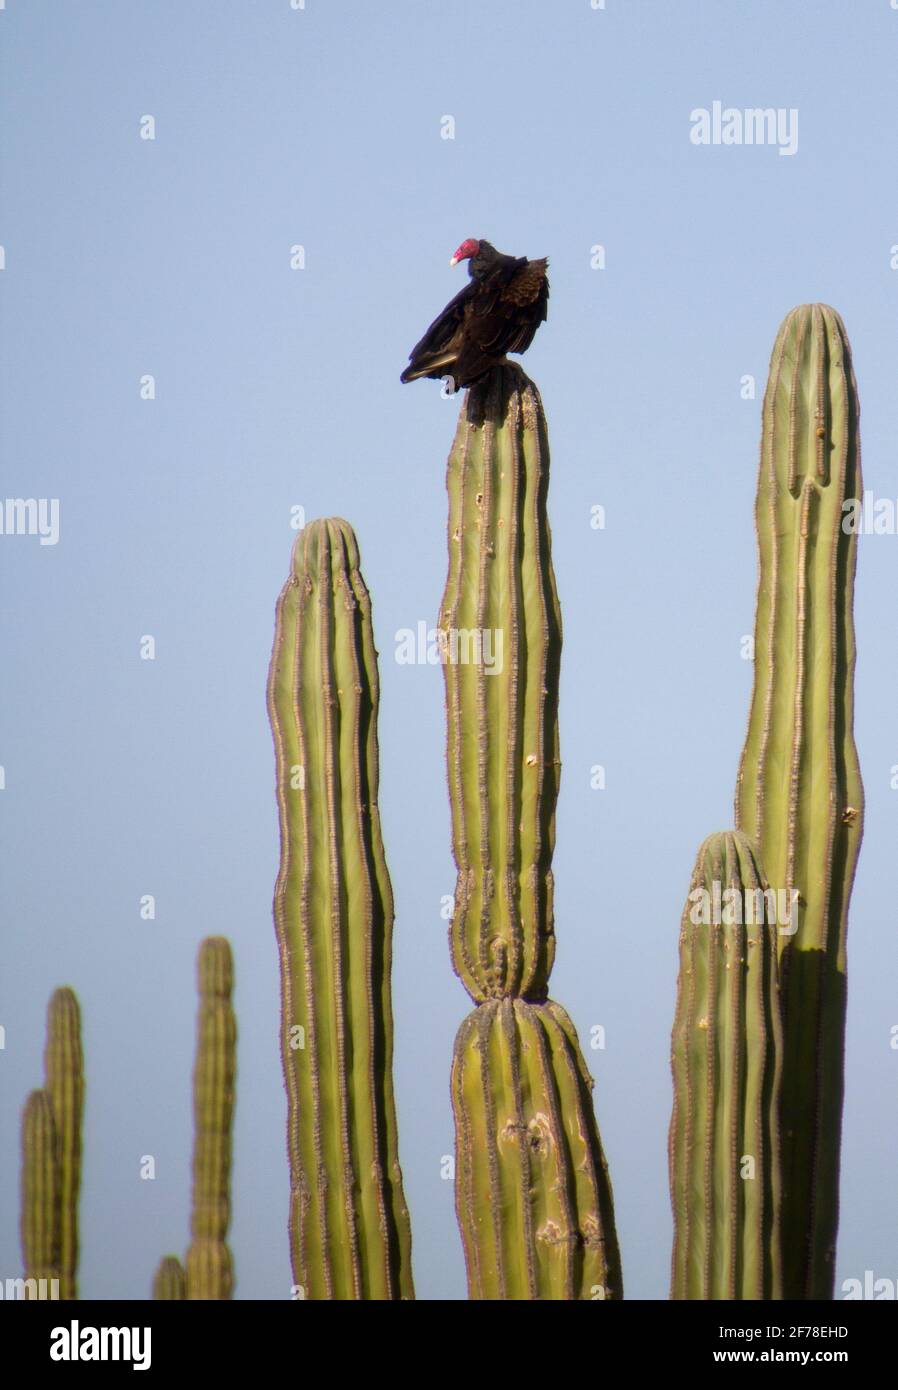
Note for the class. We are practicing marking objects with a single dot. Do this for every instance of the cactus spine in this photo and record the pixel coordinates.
(532, 1191)
(726, 1058)
(333, 910)
(40, 1195)
(64, 1081)
(799, 795)
(170, 1282)
(209, 1266)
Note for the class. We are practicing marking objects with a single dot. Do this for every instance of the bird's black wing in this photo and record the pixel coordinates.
(444, 325)
(479, 297)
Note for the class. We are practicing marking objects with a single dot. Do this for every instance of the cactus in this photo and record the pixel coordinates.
(333, 911)
(799, 794)
(64, 1082)
(170, 1282)
(39, 1225)
(532, 1191)
(209, 1267)
(209, 1270)
(533, 1196)
(726, 1058)
(500, 607)
(51, 1153)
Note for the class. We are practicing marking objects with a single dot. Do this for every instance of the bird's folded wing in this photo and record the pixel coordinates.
(444, 325)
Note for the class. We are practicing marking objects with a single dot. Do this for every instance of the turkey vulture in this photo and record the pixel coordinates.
(498, 311)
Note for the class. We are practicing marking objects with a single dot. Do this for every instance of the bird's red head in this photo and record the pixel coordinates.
(467, 248)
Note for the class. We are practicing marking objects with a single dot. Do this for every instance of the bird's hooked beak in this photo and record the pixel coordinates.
(454, 260)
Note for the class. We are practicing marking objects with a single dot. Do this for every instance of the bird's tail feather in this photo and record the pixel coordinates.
(427, 364)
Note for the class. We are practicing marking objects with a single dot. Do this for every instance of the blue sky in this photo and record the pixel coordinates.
(276, 388)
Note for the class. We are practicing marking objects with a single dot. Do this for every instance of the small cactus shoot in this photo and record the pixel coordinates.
(170, 1282)
(726, 1057)
(40, 1192)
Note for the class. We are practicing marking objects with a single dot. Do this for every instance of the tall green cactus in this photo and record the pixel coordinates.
(799, 795)
(209, 1265)
(500, 627)
(532, 1191)
(333, 910)
(64, 1082)
(726, 1057)
(39, 1224)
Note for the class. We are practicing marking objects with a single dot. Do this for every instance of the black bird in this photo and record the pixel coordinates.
(498, 311)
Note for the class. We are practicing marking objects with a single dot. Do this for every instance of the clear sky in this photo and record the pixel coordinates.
(275, 387)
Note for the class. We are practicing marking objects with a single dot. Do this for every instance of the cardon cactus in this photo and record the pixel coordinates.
(333, 909)
(170, 1282)
(500, 631)
(533, 1196)
(39, 1226)
(532, 1192)
(799, 795)
(64, 1082)
(726, 1057)
(209, 1266)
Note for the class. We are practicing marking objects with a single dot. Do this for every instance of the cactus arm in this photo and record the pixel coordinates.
(726, 1056)
(799, 793)
(170, 1282)
(39, 1226)
(209, 1265)
(333, 910)
(64, 1083)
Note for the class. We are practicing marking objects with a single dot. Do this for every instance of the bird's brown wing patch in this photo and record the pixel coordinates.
(527, 284)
